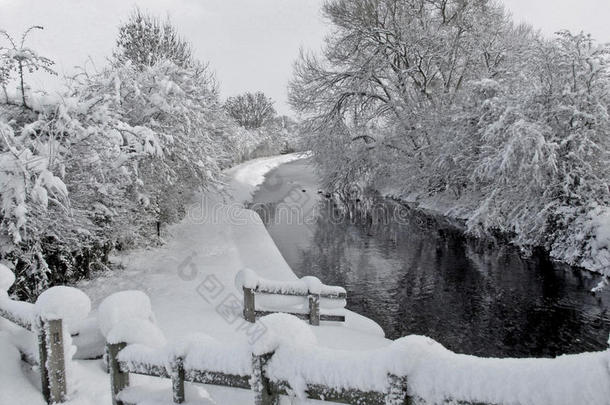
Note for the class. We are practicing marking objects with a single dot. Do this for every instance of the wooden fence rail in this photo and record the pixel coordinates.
(51, 351)
(265, 391)
(251, 314)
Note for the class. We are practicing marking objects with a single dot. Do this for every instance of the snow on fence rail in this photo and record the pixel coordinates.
(287, 361)
(317, 296)
(49, 318)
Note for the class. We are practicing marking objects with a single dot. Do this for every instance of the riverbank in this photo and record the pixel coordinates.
(463, 213)
(218, 238)
(414, 272)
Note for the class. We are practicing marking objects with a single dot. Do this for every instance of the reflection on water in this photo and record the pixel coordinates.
(420, 276)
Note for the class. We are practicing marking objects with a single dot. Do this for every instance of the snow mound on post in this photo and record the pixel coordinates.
(69, 304)
(314, 285)
(7, 278)
(246, 278)
(122, 306)
(136, 331)
(283, 330)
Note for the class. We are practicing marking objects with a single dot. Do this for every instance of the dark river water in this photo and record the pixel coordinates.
(414, 274)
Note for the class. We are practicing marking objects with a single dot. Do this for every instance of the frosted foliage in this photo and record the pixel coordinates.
(130, 142)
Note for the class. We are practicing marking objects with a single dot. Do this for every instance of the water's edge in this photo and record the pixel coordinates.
(425, 276)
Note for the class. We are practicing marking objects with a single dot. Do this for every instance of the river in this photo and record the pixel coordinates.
(419, 275)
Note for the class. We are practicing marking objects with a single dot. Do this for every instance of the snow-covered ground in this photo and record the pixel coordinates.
(191, 278)
(186, 280)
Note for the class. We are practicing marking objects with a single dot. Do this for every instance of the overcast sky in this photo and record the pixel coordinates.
(251, 44)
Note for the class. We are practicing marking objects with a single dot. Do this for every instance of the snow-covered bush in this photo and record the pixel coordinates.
(112, 160)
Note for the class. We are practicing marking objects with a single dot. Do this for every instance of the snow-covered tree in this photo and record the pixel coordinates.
(145, 40)
(449, 98)
(250, 110)
(16, 60)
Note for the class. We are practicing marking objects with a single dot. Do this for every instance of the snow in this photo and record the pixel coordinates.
(287, 294)
(142, 354)
(246, 177)
(7, 278)
(204, 352)
(600, 242)
(284, 330)
(246, 278)
(16, 386)
(134, 330)
(144, 395)
(315, 286)
(194, 272)
(211, 245)
(22, 311)
(436, 374)
(66, 303)
(198, 351)
(304, 286)
(89, 340)
(203, 264)
(123, 306)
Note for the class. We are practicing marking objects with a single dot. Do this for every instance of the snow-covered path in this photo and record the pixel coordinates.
(217, 239)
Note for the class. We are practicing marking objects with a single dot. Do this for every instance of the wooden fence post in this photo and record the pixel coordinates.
(118, 379)
(249, 305)
(52, 360)
(263, 394)
(178, 380)
(314, 309)
(397, 391)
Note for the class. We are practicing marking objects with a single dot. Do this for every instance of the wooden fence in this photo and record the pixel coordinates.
(313, 315)
(51, 352)
(265, 391)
